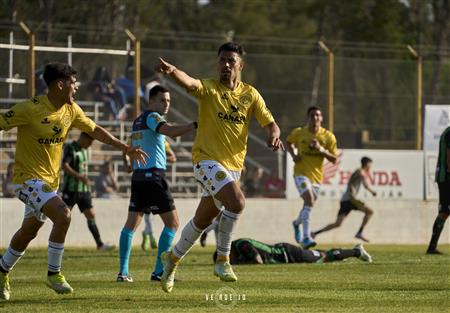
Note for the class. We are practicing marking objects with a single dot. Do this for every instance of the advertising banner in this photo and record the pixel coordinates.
(395, 174)
(437, 118)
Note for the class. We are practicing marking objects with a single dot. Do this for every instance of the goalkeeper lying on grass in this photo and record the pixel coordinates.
(249, 251)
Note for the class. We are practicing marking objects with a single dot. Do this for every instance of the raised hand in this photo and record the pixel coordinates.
(164, 67)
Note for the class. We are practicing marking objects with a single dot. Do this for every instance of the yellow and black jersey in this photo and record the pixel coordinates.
(311, 162)
(223, 121)
(41, 132)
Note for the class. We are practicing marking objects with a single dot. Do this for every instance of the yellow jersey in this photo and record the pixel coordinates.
(223, 121)
(41, 132)
(311, 162)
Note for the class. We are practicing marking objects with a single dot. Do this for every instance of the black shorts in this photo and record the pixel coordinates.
(349, 205)
(150, 193)
(444, 197)
(296, 254)
(82, 199)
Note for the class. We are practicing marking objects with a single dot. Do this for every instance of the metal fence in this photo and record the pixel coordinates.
(374, 99)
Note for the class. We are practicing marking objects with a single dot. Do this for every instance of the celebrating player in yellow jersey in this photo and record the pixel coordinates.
(309, 146)
(43, 123)
(225, 107)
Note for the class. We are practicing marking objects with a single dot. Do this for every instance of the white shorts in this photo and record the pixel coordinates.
(34, 193)
(213, 176)
(303, 184)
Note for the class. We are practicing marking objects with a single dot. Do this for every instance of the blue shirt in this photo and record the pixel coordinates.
(145, 134)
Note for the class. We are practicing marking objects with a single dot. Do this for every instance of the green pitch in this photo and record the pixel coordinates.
(401, 279)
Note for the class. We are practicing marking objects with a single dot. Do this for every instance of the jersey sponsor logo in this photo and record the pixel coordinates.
(66, 120)
(220, 175)
(245, 99)
(50, 141)
(45, 121)
(239, 119)
(136, 136)
(7, 115)
(234, 109)
(56, 129)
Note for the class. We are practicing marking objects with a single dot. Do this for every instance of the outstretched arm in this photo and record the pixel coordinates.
(184, 80)
(135, 153)
(273, 136)
(176, 130)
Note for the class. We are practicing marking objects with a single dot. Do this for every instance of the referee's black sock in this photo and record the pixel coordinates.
(437, 229)
(94, 231)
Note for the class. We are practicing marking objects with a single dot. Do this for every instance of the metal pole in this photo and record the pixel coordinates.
(419, 95)
(419, 104)
(69, 54)
(331, 91)
(11, 64)
(31, 59)
(137, 78)
(330, 105)
(137, 73)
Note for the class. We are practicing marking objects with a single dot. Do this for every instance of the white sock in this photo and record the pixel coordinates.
(10, 258)
(304, 215)
(55, 254)
(189, 236)
(227, 224)
(212, 226)
(148, 224)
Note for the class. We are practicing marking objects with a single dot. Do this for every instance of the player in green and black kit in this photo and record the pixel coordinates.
(76, 187)
(250, 251)
(443, 181)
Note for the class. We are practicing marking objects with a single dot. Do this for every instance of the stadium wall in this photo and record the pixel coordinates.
(269, 220)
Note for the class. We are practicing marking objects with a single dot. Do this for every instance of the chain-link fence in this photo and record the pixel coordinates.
(374, 99)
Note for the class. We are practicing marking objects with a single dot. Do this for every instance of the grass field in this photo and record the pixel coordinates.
(401, 279)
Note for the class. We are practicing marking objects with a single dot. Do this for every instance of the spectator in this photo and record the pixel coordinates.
(104, 89)
(8, 186)
(273, 186)
(126, 82)
(253, 185)
(106, 183)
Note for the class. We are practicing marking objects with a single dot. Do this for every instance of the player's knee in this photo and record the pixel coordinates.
(337, 223)
(64, 218)
(369, 212)
(236, 206)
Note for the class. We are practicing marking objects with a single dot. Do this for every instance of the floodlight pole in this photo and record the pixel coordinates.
(31, 59)
(137, 72)
(419, 95)
(330, 58)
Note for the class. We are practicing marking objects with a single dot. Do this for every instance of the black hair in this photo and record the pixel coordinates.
(365, 160)
(56, 70)
(155, 90)
(233, 47)
(312, 108)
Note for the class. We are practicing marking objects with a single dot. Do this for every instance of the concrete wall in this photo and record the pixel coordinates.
(399, 222)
